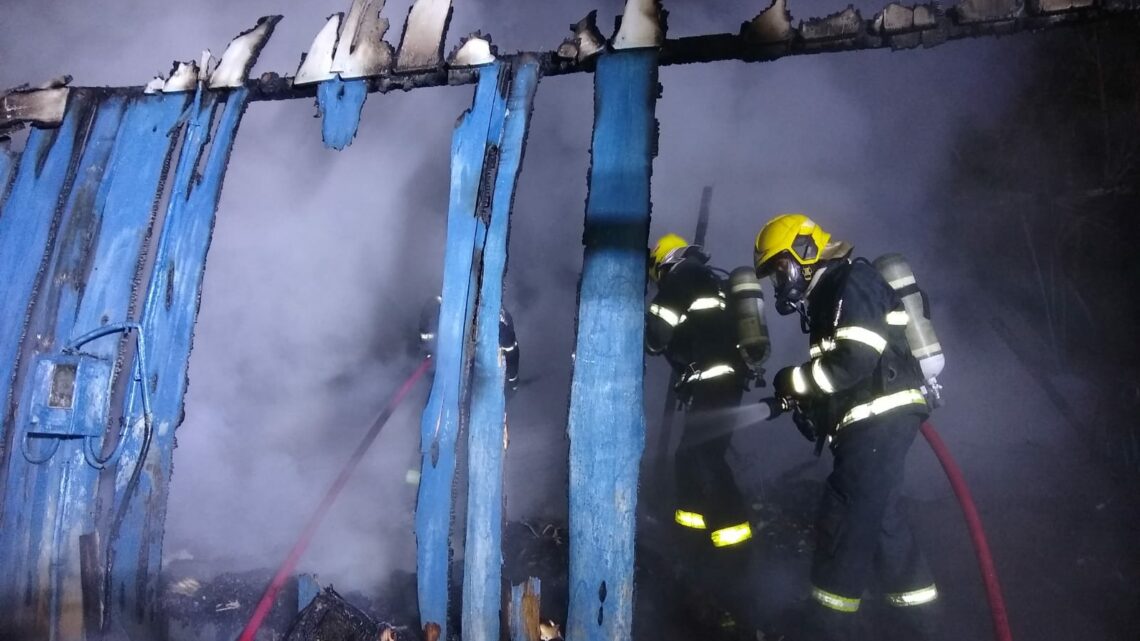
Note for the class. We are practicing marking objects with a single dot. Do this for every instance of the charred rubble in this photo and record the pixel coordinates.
(198, 606)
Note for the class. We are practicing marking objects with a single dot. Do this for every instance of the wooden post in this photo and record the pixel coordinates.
(483, 558)
(445, 409)
(169, 312)
(607, 417)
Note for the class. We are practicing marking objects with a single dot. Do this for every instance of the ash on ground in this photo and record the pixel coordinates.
(674, 599)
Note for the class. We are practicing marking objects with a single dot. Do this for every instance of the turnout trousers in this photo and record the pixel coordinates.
(863, 538)
(705, 483)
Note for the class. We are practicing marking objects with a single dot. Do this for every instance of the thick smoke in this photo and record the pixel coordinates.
(321, 262)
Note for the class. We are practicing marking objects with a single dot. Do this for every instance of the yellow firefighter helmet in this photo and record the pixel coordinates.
(665, 251)
(793, 233)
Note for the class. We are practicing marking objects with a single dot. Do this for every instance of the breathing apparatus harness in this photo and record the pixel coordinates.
(739, 295)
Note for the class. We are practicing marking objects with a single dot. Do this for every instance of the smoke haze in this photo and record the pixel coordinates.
(322, 260)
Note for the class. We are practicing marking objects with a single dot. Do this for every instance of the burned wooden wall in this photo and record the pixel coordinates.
(105, 223)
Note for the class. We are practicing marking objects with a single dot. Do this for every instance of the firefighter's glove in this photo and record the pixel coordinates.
(684, 394)
(804, 424)
(784, 384)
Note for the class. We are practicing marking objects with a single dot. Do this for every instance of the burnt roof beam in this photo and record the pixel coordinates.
(768, 37)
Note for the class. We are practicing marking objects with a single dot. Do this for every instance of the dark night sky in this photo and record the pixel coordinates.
(321, 261)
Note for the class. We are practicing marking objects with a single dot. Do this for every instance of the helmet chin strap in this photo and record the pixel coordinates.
(801, 308)
(786, 307)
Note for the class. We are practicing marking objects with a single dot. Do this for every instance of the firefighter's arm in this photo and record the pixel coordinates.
(851, 353)
(853, 358)
(660, 321)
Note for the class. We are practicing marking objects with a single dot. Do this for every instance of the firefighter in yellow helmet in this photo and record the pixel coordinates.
(689, 321)
(860, 393)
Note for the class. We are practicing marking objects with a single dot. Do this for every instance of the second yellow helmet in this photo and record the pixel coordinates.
(665, 246)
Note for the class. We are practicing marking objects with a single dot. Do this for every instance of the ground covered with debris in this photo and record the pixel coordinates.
(671, 602)
(755, 594)
(200, 606)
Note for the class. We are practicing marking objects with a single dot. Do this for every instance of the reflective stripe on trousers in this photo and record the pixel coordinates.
(834, 601)
(731, 535)
(920, 596)
(724, 537)
(882, 405)
(689, 519)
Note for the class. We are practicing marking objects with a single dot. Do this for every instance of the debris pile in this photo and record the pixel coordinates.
(217, 608)
(671, 605)
(330, 618)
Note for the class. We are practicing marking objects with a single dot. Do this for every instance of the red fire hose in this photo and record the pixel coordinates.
(974, 522)
(287, 566)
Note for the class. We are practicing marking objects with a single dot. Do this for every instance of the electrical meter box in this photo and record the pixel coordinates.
(70, 396)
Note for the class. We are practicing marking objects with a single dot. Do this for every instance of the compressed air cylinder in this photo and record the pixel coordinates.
(919, 329)
(747, 302)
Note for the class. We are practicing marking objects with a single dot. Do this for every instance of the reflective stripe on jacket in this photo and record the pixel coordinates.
(861, 365)
(689, 322)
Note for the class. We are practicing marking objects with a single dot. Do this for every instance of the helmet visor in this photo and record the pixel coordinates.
(781, 262)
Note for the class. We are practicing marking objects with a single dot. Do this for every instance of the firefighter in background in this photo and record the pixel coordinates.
(862, 394)
(509, 348)
(508, 343)
(692, 323)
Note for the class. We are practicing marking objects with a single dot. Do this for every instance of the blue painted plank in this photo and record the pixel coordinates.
(439, 426)
(170, 309)
(57, 303)
(307, 590)
(32, 545)
(8, 161)
(340, 103)
(607, 419)
(483, 558)
(29, 215)
(25, 225)
(127, 200)
(526, 600)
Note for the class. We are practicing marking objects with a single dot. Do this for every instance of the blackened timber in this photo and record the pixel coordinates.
(713, 48)
(730, 46)
(722, 46)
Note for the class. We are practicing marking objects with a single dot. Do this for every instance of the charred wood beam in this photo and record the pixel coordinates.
(895, 27)
(929, 32)
(712, 48)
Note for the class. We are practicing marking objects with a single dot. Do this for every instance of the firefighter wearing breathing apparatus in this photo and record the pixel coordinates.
(709, 326)
(865, 395)
(508, 343)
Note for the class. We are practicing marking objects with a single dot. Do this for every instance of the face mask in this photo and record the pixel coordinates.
(789, 284)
